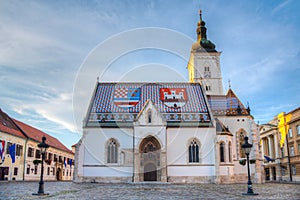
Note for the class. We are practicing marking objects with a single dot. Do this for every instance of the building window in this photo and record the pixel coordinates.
(294, 169)
(35, 169)
(292, 152)
(28, 169)
(290, 133)
(241, 142)
(53, 171)
(60, 159)
(206, 69)
(194, 152)
(55, 158)
(48, 171)
(30, 152)
(222, 152)
(298, 149)
(50, 156)
(149, 116)
(282, 152)
(15, 171)
(207, 87)
(298, 129)
(7, 147)
(19, 150)
(37, 153)
(112, 151)
(229, 152)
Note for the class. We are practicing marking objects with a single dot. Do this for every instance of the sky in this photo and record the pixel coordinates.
(44, 46)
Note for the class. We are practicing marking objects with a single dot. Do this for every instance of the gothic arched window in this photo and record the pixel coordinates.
(222, 152)
(194, 152)
(112, 151)
(229, 152)
(241, 142)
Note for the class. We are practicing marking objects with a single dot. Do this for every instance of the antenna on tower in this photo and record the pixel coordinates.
(229, 84)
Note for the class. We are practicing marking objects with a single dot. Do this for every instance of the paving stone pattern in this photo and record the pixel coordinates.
(70, 190)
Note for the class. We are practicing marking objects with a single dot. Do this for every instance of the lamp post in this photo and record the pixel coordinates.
(43, 147)
(247, 148)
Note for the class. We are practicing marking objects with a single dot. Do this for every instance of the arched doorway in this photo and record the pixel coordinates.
(150, 151)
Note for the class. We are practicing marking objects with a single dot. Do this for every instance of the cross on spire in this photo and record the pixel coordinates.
(200, 13)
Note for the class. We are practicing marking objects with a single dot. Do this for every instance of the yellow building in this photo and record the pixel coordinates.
(59, 160)
(280, 143)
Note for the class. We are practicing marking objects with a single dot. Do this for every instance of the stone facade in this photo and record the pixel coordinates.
(161, 134)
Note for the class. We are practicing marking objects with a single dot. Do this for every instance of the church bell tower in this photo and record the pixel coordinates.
(204, 64)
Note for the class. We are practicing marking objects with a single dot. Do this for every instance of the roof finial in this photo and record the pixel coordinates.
(229, 84)
(200, 13)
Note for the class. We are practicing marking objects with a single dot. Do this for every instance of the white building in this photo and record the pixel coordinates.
(169, 132)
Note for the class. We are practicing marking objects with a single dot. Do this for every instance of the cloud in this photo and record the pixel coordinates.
(280, 6)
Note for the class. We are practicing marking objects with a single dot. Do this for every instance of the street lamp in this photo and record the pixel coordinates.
(43, 147)
(247, 148)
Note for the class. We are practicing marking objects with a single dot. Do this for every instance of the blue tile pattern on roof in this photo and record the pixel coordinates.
(104, 98)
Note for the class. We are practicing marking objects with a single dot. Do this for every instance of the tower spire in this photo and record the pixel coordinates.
(202, 40)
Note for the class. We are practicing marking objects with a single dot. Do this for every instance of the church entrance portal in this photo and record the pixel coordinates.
(150, 172)
(150, 151)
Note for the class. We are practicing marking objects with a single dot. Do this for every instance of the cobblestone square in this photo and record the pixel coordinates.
(70, 190)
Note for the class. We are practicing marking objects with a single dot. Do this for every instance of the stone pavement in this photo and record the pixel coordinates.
(70, 190)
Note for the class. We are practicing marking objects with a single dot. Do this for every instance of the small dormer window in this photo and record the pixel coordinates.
(149, 116)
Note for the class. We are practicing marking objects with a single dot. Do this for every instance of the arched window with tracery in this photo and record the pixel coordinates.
(229, 152)
(241, 141)
(112, 151)
(194, 151)
(222, 152)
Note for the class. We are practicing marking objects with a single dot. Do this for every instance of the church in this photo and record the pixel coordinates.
(169, 132)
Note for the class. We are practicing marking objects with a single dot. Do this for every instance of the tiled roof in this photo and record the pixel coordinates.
(234, 104)
(37, 135)
(8, 126)
(173, 100)
(228, 104)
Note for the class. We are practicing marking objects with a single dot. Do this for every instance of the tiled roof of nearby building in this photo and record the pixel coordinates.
(123, 101)
(8, 126)
(37, 135)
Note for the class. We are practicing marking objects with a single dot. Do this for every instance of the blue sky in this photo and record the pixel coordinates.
(44, 43)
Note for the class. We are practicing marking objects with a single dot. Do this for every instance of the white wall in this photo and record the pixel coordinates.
(177, 151)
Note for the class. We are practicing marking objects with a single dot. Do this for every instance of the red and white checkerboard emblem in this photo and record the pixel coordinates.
(126, 97)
